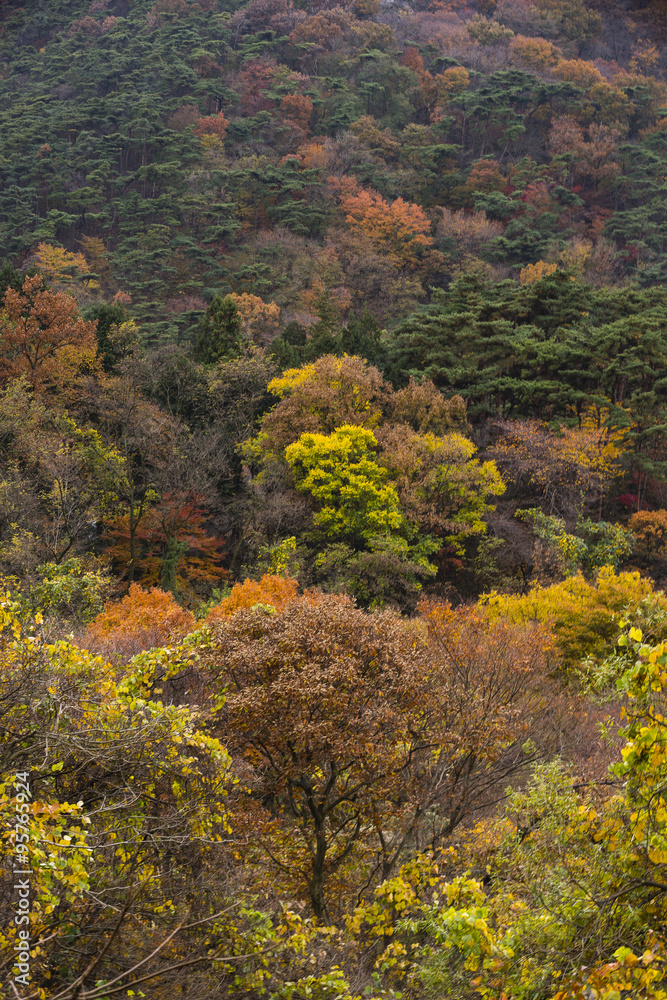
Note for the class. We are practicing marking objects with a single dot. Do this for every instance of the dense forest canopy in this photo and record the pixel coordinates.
(333, 499)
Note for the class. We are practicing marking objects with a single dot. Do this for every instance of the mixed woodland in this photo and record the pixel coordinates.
(333, 499)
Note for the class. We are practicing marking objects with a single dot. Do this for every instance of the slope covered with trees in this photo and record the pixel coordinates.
(333, 499)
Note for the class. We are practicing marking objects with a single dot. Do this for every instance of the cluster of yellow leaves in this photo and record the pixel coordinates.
(535, 272)
(635, 829)
(576, 255)
(57, 856)
(438, 90)
(584, 615)
(632, 976)
(59, 265)
(320, 396)
(417, 914)
(146, 755)
(645, 57)
(569, 463)
(341, 473)
(580, 72)
(594, 445)
(534, 53)
(285, 384)
(314, 154)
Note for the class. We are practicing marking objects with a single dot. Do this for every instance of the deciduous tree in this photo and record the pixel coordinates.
(571, 468)
(340, 472)
(35, 327)
(321, 396)
(271, 591)
(364, 736)
(143, 619)
(442, 488)
(401, 230)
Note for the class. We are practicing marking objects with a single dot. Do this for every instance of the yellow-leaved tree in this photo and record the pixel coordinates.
(584, 614)
(113, 803)
(59, 266)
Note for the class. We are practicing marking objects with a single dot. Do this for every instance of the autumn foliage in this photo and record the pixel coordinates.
(259, 319)
(344, 370)
(650, 530)
(142, 620)
(60, 265)
(297, 108)
(213, 126)
(569, 467)
(359, 726)
(401, 230)
(584, 615)
(172, 545)
(536, 271)
(36, 328)
(271, 591)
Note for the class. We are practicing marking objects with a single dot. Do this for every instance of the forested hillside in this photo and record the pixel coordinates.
(333, 499)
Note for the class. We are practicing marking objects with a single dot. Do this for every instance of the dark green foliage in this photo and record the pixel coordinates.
(289, 348)
(219, 335)
(504, 104)
(171, 377)
(9, 278)
(362, 336)
(385, 576)
(544, 349)
(639, 222)
(107, 317)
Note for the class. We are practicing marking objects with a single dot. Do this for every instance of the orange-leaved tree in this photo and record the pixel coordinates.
(297, 108)
(272, 591)
(650, 530)
(211, 126)
(143, 619)
(35, 327)
(259, 319)
(324, 711)
(401, 229)
(172, 544)
(534, 53)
